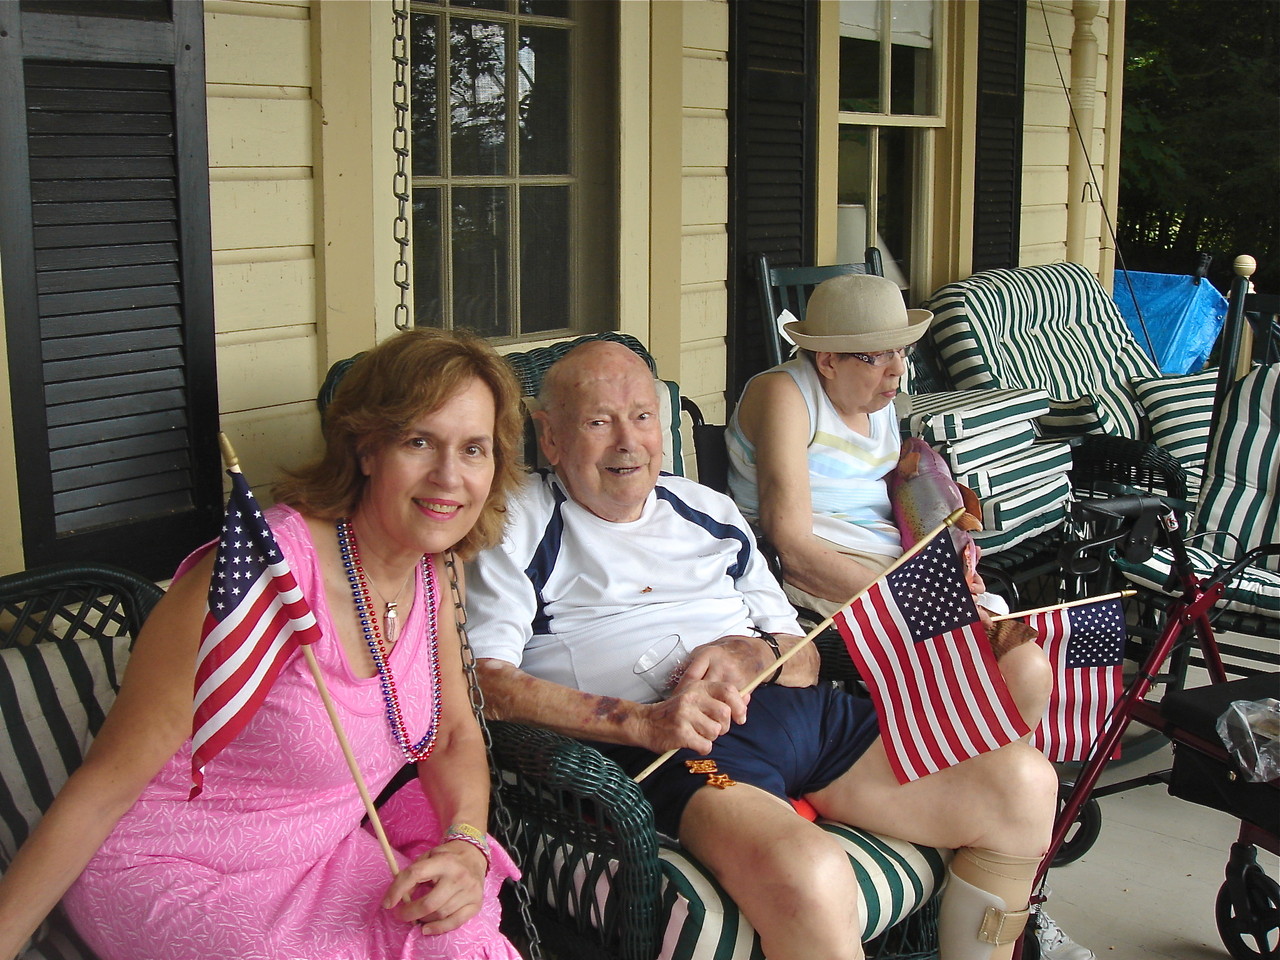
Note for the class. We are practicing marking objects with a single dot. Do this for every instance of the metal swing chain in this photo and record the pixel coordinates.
(501, 815)
(400, 145)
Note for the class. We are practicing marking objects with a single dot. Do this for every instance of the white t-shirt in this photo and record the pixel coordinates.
(577, 600)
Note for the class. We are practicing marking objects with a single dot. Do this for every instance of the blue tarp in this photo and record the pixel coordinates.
(1182, 317)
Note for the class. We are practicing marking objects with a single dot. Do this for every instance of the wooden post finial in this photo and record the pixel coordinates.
(1245, 265)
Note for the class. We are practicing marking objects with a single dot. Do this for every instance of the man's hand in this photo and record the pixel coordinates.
(693, 716)
(735, 659)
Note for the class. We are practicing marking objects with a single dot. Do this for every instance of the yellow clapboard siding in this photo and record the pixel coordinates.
(261, 213)
(259, 50)
(267, 441)
(704, 254)
(704, 142)
(705, 198)
(267, 373)
(264, 294)
(259, 132)
(706, 83)
(706, 25)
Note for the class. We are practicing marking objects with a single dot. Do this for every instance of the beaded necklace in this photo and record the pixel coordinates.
(373, 637)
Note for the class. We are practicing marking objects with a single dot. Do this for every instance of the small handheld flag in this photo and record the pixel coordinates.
(1085, 646)
(918, 643)
(256, 617)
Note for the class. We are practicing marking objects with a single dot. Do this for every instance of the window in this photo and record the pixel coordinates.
(889, 95)
(514, 147)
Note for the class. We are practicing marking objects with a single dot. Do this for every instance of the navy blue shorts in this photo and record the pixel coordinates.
(796, 740)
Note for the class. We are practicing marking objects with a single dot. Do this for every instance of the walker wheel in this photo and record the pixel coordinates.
(1085, 830)
(1250, 931)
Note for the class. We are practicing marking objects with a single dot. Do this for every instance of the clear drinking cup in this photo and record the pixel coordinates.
(662, 664)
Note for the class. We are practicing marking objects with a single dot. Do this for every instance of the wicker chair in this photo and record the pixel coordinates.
(65, 635)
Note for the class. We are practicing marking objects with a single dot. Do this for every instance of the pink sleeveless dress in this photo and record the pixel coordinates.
(270, 862)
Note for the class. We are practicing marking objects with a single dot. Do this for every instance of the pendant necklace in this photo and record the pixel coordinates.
(373, 637)
(390, 616)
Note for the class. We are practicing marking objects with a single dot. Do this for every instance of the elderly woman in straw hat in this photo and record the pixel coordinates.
(810, 445)
(813, 439)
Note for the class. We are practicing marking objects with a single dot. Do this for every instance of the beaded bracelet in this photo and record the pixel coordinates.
(772, 641)
(469, 834)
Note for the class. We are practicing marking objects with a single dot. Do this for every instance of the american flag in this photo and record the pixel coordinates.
(256, 617)
(916, 639)
(1085, 646)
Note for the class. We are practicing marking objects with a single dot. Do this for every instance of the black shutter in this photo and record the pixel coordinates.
(108, 282)
(998, 168)
(772, 50)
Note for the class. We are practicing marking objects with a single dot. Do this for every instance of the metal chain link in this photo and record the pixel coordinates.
(400, 144)
(501, 815)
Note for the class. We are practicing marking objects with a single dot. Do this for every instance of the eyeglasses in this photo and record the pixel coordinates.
(884, 357)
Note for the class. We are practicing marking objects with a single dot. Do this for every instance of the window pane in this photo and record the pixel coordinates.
(545, 8)
(481, 284)
(544, 259)
(897, 168)
(912, 80)
(423, 96)
(859, 74)
(483, 4)
(427, 256)
(853, 183)
(543, 62)
(478, 97)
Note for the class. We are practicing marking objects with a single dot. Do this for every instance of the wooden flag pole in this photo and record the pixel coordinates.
(1118, 595)
(808, 638)
(233, 464)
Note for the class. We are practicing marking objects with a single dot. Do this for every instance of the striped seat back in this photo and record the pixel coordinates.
(1240, 497)
(1051, 326)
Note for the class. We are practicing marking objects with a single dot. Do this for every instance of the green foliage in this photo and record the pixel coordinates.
(1200, 154)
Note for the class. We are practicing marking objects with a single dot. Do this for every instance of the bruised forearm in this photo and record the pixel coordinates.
(512, 694)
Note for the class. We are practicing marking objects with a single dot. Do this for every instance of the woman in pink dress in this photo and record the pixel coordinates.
(271, 861)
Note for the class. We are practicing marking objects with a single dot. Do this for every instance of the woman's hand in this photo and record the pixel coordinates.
(445, 887)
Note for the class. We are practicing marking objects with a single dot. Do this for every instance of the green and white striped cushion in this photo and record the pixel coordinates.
(895, 877)
(1051, 326)
(1255, 590)
(1241, 492)
(53, 699)
(1010, 510)
(1179, 412)
(956, 414)
(987, 448)
(1043, 459)
(993, 541)
(1071, 418)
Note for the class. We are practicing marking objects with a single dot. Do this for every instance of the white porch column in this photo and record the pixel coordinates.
(1084, 86)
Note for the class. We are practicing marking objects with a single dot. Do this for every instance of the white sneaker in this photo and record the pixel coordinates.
(1056, 945)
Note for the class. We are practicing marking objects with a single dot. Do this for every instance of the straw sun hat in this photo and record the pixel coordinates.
(857, 313)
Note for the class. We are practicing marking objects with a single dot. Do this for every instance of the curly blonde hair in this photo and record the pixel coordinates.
(381, 395)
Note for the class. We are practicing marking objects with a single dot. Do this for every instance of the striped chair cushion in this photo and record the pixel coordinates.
(1042, 460)
(1241, 493)
(1179, 411)
(1254, 591)
(1050, 326)
(984, 449)
(993, 541)
(956, 414)
(1010, 510)
(702, 923)
(53, 699)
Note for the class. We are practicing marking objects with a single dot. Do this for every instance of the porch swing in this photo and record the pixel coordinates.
(595, 872)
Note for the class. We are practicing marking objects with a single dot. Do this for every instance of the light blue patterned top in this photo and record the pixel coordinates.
(846, 470)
